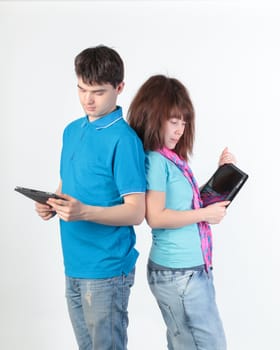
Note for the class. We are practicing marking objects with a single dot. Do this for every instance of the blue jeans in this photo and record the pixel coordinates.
(187, 302)
(98, 311)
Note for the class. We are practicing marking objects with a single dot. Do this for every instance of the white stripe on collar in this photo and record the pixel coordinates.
(108, 125)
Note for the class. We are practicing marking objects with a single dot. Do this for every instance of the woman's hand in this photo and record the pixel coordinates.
(226, 157)
(214, 213)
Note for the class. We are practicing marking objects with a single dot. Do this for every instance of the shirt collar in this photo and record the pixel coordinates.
(107, 120)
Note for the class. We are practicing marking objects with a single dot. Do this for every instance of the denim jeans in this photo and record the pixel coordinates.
(98, 311)
(186, 299)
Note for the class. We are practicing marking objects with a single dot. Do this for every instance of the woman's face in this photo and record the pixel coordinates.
(173, 130)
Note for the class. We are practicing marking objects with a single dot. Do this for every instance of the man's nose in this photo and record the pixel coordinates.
(89, 98)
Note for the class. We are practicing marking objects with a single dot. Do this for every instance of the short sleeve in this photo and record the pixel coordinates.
(156, 172)
(129, 165)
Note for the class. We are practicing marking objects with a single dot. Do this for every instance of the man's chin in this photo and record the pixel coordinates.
(92, 114)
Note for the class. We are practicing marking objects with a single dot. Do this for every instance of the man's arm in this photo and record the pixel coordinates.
(131, 212)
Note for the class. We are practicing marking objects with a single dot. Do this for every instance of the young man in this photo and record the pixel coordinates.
(103, 189)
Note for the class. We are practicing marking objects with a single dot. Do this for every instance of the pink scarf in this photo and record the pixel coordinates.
(204, 228)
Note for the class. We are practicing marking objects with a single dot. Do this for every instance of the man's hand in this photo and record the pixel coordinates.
(45, 211)
(68, 208)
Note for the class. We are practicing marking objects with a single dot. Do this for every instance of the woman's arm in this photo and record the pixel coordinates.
(158, 216)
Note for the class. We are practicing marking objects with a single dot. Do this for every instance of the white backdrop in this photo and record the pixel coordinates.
(227, 53)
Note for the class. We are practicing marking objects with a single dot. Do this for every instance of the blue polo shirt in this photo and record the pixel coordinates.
(101, 161)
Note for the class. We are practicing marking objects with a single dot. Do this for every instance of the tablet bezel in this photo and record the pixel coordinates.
(37, 195)
(233, 191)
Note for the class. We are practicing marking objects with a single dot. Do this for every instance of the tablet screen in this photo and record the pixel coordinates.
(223, 185)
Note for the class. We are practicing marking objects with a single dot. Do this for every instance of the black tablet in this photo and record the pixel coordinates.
(224, 185)
(36, 195)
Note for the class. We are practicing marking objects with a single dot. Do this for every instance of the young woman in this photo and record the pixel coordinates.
(180, 262)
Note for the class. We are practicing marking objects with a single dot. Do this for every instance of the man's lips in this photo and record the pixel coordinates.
(90, 108)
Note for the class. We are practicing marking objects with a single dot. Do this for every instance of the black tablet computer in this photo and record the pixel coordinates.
(36, 195)
(224, 185)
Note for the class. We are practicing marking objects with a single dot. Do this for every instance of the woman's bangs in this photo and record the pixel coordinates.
(178, 113)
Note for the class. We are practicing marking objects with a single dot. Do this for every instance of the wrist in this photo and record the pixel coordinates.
(201, 214)
(90, 212)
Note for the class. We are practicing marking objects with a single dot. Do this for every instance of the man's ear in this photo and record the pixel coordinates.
(120, 87)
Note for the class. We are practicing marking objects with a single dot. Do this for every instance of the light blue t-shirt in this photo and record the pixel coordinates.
(179, 247)
(101, 162)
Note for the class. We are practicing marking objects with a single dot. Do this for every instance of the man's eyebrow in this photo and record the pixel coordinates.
(93, 90)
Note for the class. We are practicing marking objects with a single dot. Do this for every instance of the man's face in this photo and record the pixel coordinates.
(98, 100)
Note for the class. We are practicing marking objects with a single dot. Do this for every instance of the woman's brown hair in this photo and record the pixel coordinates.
(161, 98)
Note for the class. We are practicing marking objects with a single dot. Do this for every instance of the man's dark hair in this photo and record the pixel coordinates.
(99, 65)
